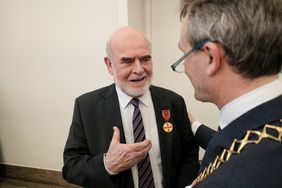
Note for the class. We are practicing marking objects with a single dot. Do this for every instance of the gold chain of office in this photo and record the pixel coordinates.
(238, 145)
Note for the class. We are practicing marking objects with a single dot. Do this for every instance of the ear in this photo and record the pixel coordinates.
(108, 63)
(215, 54)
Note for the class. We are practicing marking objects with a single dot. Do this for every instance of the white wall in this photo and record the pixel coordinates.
(51, 51)
(136, 14)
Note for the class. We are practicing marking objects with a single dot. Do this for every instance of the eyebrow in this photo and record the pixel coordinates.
(127, 58)
(145, 56)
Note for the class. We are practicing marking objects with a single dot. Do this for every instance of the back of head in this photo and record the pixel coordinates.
(248, 30)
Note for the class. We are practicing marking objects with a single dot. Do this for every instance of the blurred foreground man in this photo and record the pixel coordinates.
(233, 57)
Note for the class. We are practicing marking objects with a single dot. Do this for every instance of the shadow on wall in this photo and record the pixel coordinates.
(2, 168)
(1, 154)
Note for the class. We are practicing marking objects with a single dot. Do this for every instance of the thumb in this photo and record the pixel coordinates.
(116, 135)
(191, 118)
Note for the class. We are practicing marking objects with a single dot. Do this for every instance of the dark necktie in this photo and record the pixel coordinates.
(144, 167)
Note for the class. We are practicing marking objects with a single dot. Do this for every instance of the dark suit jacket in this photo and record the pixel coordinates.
(96, 113)
(257, 166)
(203, 136)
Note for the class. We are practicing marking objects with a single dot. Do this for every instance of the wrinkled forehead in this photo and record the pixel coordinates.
(132, 44)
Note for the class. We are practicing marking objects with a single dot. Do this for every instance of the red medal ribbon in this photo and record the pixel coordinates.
(166, 114)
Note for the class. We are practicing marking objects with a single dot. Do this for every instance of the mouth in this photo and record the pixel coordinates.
(138, 79)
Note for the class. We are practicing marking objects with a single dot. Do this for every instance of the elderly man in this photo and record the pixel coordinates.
(152, 144)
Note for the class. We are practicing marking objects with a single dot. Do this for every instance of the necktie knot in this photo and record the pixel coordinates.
(135, 102)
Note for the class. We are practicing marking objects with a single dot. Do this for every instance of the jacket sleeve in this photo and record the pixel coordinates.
(204, 135)
(80, 167)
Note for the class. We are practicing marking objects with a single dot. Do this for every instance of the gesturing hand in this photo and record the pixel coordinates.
(191, 118)
(121, 157)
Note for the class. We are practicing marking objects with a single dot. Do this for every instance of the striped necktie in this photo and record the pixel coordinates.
(145, 175)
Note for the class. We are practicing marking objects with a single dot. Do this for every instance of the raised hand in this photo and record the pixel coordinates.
(121, 157)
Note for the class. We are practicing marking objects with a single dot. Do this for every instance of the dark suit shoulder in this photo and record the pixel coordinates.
(163, 92)
(96, 94)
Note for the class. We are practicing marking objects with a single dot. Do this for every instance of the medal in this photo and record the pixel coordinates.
(167, 127)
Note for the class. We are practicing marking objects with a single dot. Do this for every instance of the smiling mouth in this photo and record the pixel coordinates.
(138, 80)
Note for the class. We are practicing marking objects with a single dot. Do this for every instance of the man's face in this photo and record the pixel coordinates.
(194, 66)
(131, 65)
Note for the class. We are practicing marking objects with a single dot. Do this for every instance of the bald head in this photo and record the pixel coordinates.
(122, 38)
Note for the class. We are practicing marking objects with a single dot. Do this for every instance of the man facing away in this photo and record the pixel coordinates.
(119, 129)
(233, 57)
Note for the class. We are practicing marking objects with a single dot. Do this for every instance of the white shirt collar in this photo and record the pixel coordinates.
(250, 100)
(125, 99)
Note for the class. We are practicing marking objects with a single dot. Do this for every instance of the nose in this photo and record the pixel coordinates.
(137, 66)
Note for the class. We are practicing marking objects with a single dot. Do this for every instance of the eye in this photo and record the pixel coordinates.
(145, 59)
(127, 60)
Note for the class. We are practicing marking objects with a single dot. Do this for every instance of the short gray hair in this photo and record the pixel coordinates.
(250, 31)
(109, 49)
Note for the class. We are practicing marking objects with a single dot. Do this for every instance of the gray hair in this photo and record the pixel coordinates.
(109, 49)
(248, 30)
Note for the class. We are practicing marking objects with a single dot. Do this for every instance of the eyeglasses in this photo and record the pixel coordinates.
(178, 66)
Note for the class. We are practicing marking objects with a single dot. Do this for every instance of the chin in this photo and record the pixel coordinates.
(202, 98)
(135, 91)
(198, 97)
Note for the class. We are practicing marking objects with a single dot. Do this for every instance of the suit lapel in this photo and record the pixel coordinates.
(111, 113)
(165, 139)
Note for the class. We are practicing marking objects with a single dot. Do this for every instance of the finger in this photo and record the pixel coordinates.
(145, 144)
(116, 135)
(191, 118)
(140, 145)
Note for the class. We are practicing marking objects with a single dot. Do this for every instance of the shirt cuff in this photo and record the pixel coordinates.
(195, 126)
(109, 172)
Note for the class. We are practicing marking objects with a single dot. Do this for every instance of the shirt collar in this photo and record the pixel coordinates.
(125, 99)
(248, 101)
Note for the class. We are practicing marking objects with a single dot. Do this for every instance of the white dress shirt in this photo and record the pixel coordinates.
(151, 132)
(246, 102)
